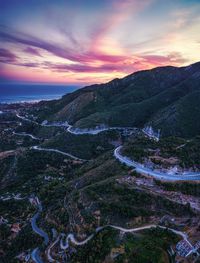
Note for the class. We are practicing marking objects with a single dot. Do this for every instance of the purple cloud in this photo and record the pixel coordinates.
(25, 39)
(29, 64)
(88, 56)
(7, 56)
(32, 51)
(80, 67)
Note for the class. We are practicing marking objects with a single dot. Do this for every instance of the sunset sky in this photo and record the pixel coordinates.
(93, 41)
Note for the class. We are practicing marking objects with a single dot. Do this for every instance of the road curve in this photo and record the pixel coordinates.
(38, 230)
(38, 148)
(156, 174)
(26, 119)
(26, 134)
(35, 256)
(64, 244)
(50, 259)
(75, 131)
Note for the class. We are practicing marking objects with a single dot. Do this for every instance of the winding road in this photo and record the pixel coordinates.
(26, 134)
(35, 253)
(65, 239)
(76, 131)
(64, 244)
(38, 230)
(26, 119)
(156, 174)
(38, 148)
(186, 176)
(50, 259)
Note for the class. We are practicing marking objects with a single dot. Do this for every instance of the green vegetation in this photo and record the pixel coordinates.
(77, 197)
(149, 247)
(167, 97)
(25, 240)
(187, 188)
(83, 146)
(119, 201)
(43, 132)
(16, 209)
(185, 151)
(5, 165)
(101, 245)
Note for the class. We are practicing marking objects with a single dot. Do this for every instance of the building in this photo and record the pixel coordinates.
(184, 248)
(197, 245)
(148, 131)
(15, 228)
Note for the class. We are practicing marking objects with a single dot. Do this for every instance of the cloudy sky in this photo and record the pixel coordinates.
(93, 41)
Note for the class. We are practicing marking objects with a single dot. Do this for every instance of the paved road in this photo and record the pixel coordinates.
(64, 244)
(38, 230)
(76, 131)
(38, 148)
(180, 233)
(35, 255)
(187, 176)
(50, 259)
(158, 175)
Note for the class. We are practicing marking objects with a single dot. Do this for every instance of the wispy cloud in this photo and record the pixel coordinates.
(32, 51)
(6, 56)
(174, 58)
(75, 49)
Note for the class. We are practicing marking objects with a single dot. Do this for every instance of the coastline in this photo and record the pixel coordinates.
(28, 100)
(29, 93)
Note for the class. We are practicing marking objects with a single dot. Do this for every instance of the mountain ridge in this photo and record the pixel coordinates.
(145, 97)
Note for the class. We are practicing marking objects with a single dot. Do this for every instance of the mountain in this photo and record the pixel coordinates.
(168, 98)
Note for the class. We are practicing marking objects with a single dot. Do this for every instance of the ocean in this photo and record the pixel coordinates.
(16, 93)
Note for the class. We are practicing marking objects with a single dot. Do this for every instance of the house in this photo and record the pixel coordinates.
(184, 248)
(15, 228)
(148, 131)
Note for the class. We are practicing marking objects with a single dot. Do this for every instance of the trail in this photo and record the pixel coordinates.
(38, 148)
(26, 134)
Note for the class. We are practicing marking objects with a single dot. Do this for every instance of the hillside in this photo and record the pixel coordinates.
(106, 211)
(165, 97)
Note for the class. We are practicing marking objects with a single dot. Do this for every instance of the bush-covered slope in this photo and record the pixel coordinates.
(165, 96)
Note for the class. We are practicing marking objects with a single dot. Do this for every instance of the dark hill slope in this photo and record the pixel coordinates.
(166, 96)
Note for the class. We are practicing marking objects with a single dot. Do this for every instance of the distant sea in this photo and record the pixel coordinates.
(16, 93)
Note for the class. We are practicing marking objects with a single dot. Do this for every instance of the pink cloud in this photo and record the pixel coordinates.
(120, 12)
(173, 58)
